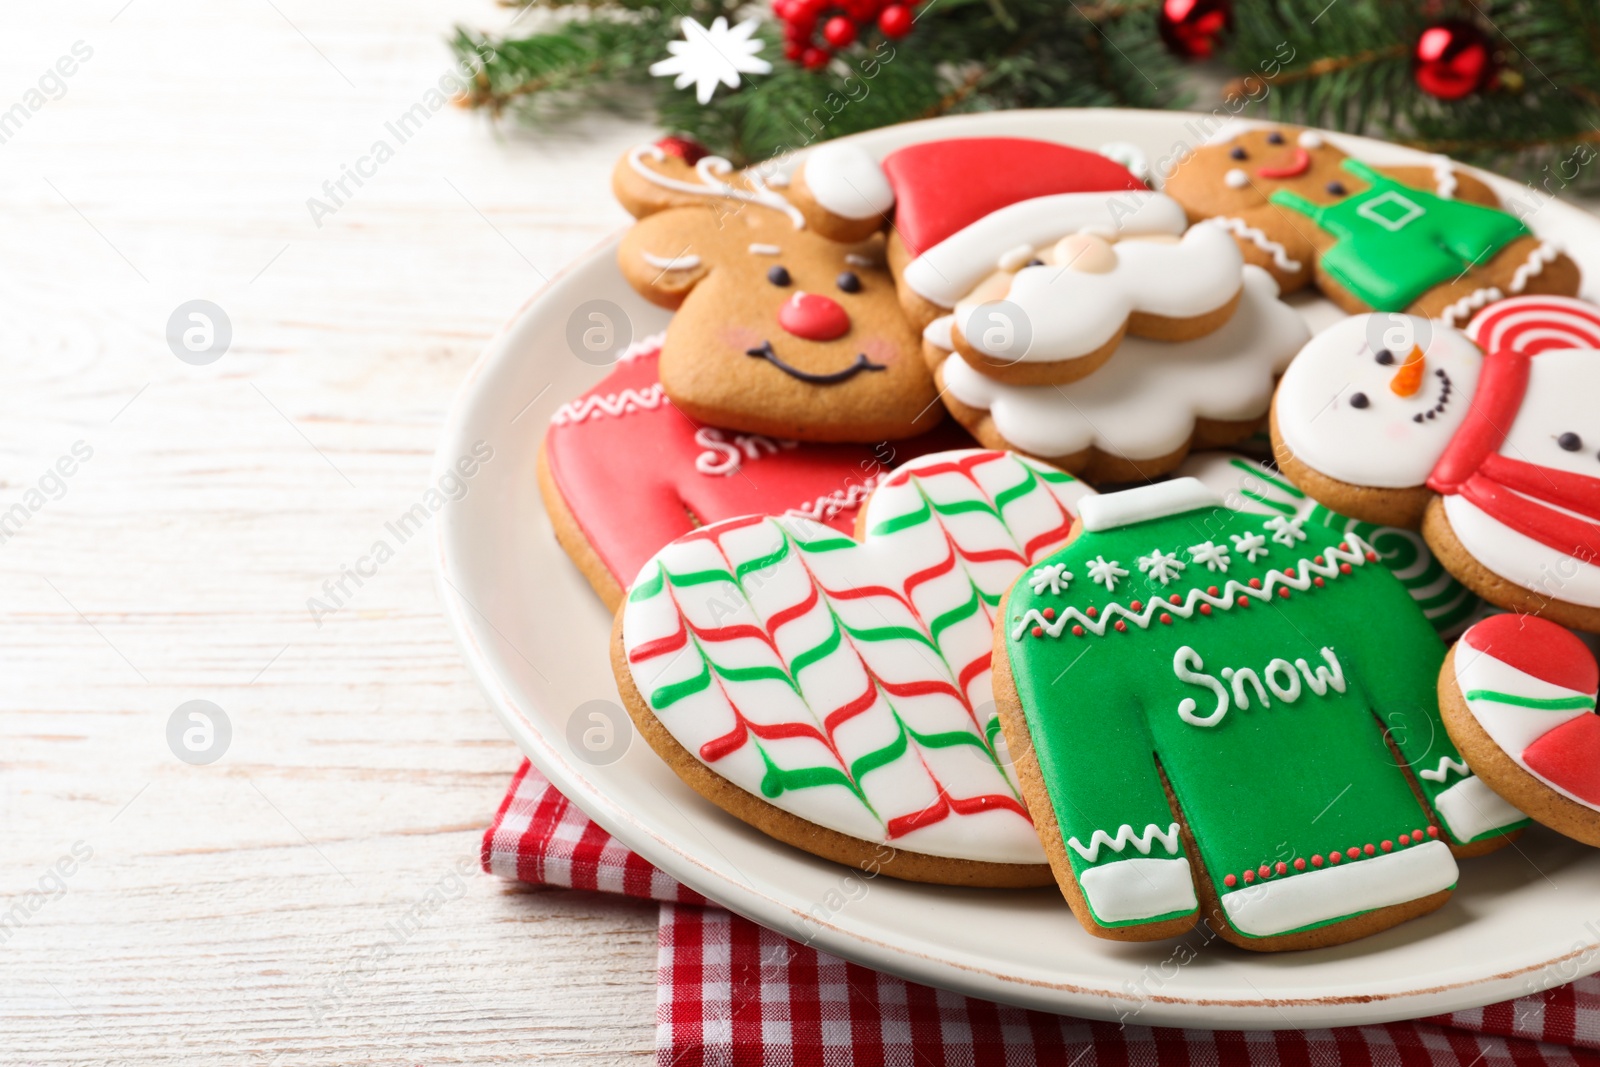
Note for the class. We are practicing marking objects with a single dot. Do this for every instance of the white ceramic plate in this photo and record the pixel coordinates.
(1524, 919)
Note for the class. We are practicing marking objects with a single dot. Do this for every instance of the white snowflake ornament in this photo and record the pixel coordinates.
(1212, 556)
(706, 57)
(1107, 572)
(1286, 531)
(1161, 566)
(1051, 576)
(1251, 546)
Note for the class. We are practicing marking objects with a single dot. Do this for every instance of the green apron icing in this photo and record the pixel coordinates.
(1394, 242)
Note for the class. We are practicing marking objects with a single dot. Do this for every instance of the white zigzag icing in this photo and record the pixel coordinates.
(1243, 230)
(1444, 177)
(609, 405)
(1474, 300)
(1305, 572)
(1537, 260)
(1441, 772)
(1125, 837)
(827, 506)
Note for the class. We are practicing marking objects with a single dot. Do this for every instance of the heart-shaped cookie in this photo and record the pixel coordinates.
(836, 693)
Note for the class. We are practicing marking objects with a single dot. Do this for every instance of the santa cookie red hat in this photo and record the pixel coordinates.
(961, 206)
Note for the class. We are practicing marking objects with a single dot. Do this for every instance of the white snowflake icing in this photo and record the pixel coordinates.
(1286, 531)
(1051, 576)
(1212, 555)
(1250, 545)
(705, 57)
(1108, 572)
(1161, 566)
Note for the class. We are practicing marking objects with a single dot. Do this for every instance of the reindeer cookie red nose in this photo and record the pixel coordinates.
(813, 317)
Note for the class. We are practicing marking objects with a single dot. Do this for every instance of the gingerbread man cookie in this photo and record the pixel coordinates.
(1491, 451)
(779, 330)
(1428, 240)
(1222, 714)
(836, 693)
(1045, 255)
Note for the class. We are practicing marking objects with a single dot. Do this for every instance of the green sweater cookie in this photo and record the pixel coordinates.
(1263, 667)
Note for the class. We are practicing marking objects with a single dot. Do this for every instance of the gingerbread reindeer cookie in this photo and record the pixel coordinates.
(1042, 255)
(1429, 240)
(1233, 716)
(1489, 440)
(779, 330)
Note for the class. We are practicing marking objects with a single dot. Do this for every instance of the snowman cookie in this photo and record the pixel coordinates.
(622, 473)
(1044, 255)
(1139, 415)
(1233, 716)
(1517, 694)
(836, 693)
(1487, 439)
(1429, 240)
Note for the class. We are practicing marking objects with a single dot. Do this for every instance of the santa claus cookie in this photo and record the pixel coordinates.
(1257, 488)
(1518, 696)
(1430, 240)
(779, 330)
(1140, 414)
(1218, 714)
(622, 473)
(1045, 255)
(836, 693)
(1493, 452)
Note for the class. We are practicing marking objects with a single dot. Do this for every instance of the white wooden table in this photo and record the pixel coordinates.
(311, 896)
(246, 911)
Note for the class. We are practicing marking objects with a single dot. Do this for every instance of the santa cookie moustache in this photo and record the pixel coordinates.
(1493, 455)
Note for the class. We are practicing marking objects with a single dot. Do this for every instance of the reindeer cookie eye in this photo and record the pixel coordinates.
(848, 282)
(1359, 400)
(778, 276)
(1569, 442)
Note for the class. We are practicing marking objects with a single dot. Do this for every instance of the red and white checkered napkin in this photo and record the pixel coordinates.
(732, 993)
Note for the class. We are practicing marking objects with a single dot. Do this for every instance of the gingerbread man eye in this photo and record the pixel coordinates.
(1570, 442)
(1384, 356)
(1238, 153)
(1359, 400)
(1274, 137)
(778, 276)
(848, 282)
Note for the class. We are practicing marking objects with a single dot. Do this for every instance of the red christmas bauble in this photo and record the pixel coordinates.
(895, 21)
(683, 148)
(1452, 59)
(1191, 28)
(838, 31)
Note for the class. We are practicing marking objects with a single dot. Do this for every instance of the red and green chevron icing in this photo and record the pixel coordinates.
(846, 682)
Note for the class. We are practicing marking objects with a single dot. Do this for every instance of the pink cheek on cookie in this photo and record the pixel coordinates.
(880, 350)
(741, 338)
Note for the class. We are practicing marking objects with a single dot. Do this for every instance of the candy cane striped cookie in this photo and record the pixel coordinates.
(836, 693)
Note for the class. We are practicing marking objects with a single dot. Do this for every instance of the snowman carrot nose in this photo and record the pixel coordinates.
(1408, 379)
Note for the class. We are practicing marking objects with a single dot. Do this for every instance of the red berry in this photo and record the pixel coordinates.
(814, 58)
(839, 31)
(683, 148)
(895, 22)
(792, 50)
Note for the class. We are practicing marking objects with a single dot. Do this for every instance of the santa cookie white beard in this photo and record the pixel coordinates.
(1495, 457)
(1137, 416)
